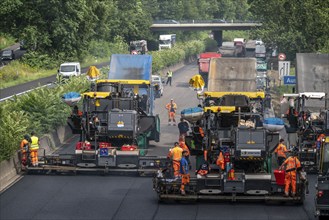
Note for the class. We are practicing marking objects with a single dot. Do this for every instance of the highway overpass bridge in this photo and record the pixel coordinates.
(216, 27)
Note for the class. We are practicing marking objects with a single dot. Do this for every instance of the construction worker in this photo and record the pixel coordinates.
(183, 128)
(292, 165)
(281, 151)
(319, 140)
(34, 149)
(175, 154)
(184, 168)
(169, 75)
(185, 147)
(172, 108)
(203, 170)
(25, 146)
(220, 161)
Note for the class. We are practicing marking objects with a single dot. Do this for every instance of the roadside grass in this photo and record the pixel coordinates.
(6, 41)
(20, 73)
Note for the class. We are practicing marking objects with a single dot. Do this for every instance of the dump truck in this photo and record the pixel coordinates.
(231, 121)
(204, 61)
(115, 124)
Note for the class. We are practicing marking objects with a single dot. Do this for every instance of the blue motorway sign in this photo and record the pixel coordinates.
(289, 80)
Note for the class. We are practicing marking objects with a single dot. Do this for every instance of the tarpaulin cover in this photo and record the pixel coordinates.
(71, 95)
(124, 66)
(93, 72)
(273, 121)
(197, 82)
(71, 98)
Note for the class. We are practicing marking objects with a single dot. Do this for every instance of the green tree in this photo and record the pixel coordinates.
(294, 26)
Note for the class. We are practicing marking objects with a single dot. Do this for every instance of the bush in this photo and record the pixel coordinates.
(41, 110)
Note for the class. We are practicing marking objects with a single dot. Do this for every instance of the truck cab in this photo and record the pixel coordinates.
(167, 41)
(67, 70)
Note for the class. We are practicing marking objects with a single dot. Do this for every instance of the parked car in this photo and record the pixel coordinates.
(157, 80)
(8, 55)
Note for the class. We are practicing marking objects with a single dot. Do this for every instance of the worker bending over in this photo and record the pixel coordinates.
(292, 165)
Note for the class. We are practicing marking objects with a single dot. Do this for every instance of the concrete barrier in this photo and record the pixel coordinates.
(11, 170)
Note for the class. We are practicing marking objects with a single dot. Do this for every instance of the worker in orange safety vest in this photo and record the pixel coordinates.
(175, 154)
(25, 146)
(281, 151)
(220, 161)
(172, 108)
(292, 165)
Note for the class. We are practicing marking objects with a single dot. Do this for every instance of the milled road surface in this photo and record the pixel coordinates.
(128, 197)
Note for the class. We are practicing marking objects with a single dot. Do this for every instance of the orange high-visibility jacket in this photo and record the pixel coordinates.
(220, 161)
(281, 150)
(292, 163)
(171, 107)
(184, 147)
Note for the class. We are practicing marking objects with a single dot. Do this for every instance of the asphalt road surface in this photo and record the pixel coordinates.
(129, 197)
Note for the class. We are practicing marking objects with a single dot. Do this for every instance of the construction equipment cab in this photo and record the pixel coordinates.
(67, 70)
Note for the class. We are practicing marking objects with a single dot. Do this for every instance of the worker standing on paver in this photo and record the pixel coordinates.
(25, 146)
(183, 128)
(34, 149)
(172, 108)
(185, 147)
(184, 168)
(292, 165)
(280, 152)
(175, 154)
(220, 161)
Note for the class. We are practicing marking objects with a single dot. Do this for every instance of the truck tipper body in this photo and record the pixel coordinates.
(204, 63)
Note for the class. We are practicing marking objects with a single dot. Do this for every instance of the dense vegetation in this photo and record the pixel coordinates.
(294, 26)
(69, 30)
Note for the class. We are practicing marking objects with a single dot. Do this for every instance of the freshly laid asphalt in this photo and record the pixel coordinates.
(129, 197)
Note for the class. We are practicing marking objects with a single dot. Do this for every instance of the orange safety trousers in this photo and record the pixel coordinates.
(172, 115)
(34, 157)
(176, 167)
(185, 181)
(290, 180)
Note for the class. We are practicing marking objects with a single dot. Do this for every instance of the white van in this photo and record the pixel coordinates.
(157, 80)
(67, 70)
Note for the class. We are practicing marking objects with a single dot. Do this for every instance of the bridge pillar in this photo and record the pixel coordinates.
(218, 36)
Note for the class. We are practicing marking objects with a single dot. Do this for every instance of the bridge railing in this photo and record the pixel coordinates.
(216, 21)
